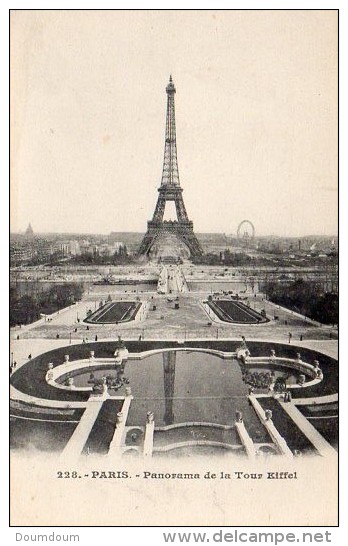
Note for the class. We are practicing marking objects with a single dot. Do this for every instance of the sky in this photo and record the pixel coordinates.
(256, 119)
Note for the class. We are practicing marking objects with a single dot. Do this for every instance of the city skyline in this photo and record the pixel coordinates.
(227, 234)
(256, 120)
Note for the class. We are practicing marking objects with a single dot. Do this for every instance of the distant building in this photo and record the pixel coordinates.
(43, 249)
(20, 254)
(67, 248)
(62, 248)
(86, 247)
(74, 248)
(29, 232)
(116, 246)
(105, 249)
(27, 250)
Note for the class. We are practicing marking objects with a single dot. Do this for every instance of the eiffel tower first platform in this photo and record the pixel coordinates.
(181, 230)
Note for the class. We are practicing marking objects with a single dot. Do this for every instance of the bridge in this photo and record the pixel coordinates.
(171, 280)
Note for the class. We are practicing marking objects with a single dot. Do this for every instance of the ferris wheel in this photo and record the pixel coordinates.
(246, 230)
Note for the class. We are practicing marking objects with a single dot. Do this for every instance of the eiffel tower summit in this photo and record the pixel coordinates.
(173, 238)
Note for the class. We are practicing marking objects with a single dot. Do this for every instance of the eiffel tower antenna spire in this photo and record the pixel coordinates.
(170, 190)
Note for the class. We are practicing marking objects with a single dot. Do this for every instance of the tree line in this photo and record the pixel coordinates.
(27, 308)
(305, 297)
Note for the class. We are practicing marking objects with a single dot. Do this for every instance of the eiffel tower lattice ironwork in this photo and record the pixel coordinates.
(170, 190)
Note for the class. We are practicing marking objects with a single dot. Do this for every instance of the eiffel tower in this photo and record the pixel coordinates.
(170, 190)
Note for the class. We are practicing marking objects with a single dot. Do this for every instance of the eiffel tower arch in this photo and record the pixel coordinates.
(181, 229)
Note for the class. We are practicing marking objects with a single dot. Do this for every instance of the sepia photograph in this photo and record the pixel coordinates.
(174, 267)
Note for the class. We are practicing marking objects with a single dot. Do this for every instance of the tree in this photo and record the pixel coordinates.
(304, 297)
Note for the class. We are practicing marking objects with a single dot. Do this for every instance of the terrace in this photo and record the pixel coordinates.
(186, 412)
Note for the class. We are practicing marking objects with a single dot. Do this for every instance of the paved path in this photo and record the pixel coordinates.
(277, 439)
(115, 444)
(161, 323)
(327, 399)
(294, 314)
(15, 394)
(320, 444)
(246, 440)
(74, 447)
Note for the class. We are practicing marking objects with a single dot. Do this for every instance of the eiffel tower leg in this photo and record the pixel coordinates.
(159, 210)
(180, 209)
(190, 240)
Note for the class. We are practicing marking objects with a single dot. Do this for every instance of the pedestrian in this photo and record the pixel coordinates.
(29, 356)
(96, 338)
(15, 364)
(301, 337)
(290, 336)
